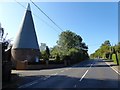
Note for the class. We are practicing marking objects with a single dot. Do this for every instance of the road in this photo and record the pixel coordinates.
(87, 74)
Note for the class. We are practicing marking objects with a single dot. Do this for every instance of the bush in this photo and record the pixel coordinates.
(44, 55)
(57, 58)
(118, 55)
(107, 54)
(114, 58)
(75, 55)
(56, 62)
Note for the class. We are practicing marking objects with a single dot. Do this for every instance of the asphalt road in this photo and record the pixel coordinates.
(87, 74)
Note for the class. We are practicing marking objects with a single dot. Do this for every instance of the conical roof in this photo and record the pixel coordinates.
(26, 37)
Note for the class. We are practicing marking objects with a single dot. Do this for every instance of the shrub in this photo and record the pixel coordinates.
(57, 58)
(75, 55)
(114, 58)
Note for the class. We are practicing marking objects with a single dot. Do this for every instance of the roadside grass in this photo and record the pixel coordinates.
(114, 58)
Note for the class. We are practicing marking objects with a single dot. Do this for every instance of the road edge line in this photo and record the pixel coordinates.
(113, 68)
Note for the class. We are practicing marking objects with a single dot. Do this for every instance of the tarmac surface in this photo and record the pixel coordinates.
(87, 74)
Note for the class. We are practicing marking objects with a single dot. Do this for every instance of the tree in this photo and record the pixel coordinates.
(70, 45)
(47, 51)
(104, 50)
(117, 47)
(84, 46)
(106, 43)
(114, 51)
(68, 40)
(55, 51)
(6, 56)
(45, 54)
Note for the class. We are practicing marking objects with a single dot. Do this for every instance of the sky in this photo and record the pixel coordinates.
(95, 22)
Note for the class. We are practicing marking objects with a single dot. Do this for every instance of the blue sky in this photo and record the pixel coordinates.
(95, 22)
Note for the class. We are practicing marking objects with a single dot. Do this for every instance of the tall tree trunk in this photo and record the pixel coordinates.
(116, 58)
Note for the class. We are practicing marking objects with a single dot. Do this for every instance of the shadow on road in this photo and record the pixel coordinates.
(107, 61)
(15, 78)
(63, 81)
(97, 63)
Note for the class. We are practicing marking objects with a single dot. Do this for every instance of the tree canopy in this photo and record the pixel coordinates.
(70, 44)
(103, 50)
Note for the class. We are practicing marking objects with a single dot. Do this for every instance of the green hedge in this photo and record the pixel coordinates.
(119, 57)
(114, 58)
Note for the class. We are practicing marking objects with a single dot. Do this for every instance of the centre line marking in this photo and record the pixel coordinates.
(75, 86)
(85, 73)
(29, 84)
(46, 77)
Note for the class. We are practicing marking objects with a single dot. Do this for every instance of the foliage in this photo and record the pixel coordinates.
(75, 54)
(70, 45)
(57, 58)
(47, 51)
(68, 40)
(108, 52)
(107, 55)
(117, 47)
(114, 58)
(45, 54)
(55, 51)
(106, 43)
(103, 51)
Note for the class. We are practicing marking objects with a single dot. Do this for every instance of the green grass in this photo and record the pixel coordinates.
(114, 58)
(119, 57)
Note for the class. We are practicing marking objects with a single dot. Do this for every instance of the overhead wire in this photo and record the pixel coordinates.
(47, 16)
(37, 17)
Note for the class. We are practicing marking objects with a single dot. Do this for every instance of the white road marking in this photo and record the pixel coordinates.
(113, 68)
(62, 71)
(67, 69)
(85, 73)
(46, 77)
(90, 65)
(33, 82)
(75, 86)
(54, 74)
(29, 84)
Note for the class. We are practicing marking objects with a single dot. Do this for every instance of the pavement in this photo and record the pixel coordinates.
(87, 74)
